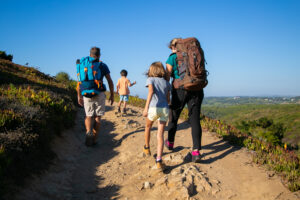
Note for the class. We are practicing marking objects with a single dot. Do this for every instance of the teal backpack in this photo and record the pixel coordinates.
(89, 76)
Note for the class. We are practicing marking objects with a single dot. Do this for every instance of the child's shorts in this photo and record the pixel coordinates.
(94, 106)
(124, 98)
(161, 114)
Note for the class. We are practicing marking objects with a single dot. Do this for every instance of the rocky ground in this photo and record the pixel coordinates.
(115, 168)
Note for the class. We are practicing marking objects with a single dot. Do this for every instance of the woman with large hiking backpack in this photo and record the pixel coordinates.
(186, 66)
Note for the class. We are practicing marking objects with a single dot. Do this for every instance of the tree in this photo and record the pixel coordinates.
(4, 56)
(62, 77)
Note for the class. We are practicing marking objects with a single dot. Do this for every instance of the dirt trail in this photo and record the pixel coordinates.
(116, 169)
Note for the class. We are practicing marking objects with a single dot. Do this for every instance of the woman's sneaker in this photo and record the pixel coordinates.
(160, 165)
(89, 139)
(169, 145)
(196, 157)
(146, 151)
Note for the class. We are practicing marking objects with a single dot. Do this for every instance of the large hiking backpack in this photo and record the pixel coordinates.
(89, 76)
(191, 65)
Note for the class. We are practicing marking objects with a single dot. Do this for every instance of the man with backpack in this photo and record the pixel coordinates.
(91, 91)
(186, 65)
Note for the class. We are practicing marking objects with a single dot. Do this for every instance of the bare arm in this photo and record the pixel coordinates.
(149, 97)
(111, 88)
(168, 97)
(169, 70)
(132, 84)
(79, 96)
(118, 86)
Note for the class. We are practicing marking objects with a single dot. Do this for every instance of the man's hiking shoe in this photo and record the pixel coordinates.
(146, 151)
(160, 166)
(89, 139)
(124, 111)
(169, 145)
(94, 141)
(119, 110)
(196, 157)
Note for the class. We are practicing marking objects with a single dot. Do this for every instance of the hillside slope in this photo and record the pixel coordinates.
(34, 108)
(116, 169)
(287, 114)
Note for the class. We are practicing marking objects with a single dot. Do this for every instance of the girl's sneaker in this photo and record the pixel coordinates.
(160, 165)
(169, 145)
(196, 157)
(146, 151)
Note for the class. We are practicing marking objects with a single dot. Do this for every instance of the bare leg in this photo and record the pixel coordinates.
(160, 138)
(125, 103)
(96, 127)
(147, 132)
(88, 123)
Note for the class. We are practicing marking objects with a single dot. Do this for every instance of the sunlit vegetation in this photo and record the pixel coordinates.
(34, 108)
(269, 152)
(286, 114)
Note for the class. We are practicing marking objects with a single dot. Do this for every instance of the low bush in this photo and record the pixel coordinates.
(5, 56)
(34, 108)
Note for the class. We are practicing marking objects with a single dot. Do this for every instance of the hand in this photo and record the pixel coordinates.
(111, 99)
(80, 100)
(145, 113)
(134, 83)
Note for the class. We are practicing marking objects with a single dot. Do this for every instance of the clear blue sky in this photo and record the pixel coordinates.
(252, 47)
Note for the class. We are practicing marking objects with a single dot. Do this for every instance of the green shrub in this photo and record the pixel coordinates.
(37, 107)
(62, 77)
(4, 56)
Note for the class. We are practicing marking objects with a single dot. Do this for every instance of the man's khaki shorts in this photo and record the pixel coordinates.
(94, 106)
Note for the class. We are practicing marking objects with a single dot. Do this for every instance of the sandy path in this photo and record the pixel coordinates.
(116, 169)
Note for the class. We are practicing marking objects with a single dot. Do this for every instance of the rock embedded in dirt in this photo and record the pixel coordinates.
(147, 185)
(187, 181)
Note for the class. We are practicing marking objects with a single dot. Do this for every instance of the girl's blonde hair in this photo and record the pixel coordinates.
(156, 69)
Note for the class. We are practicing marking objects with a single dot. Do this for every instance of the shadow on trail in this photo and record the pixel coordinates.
(119, 142)
(216, 147)
(181, 126)
(108, 108)
(86, 182)
(140, 129)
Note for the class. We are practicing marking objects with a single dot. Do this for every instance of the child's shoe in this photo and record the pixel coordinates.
(196, 157)
(160, 165)
(124, 110)
(119, 109)
(146, 151)
(169, 145)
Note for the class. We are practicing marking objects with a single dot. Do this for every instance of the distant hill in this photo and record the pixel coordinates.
(241, 100)
(233, 110)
